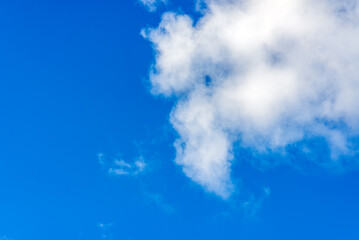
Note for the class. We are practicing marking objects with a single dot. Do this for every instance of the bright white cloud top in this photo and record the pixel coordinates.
(263, 73)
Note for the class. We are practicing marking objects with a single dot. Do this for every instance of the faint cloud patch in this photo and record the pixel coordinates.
(248, 205)
(4, 237)
(104, 228)
(253, 204)
(152, 5)
(118, 166)
(158, 199)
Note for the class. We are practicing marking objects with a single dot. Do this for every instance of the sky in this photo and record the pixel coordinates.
(168, 119)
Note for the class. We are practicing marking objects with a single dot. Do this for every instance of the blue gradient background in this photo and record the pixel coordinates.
(73, 83)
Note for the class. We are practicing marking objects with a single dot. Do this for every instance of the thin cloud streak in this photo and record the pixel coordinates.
(158, 199)
(121, 167)
(152, 5)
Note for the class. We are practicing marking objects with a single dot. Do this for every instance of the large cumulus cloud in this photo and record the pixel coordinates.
(262, 73)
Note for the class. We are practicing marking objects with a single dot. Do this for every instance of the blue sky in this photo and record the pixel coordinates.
(87, 135)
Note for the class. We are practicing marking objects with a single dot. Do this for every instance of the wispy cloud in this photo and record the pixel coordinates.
(266, 74)
(105, 230)
(252, 205)
(117, 166)
(105, 226)
(158, 199)
(152, 5)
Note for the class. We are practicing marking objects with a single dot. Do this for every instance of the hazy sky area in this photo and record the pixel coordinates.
(168, 119)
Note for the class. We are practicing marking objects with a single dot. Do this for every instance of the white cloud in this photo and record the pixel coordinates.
(118, 171)
(121, 167)
(105, 226)
(140, 165)
(152, 5)
(264, 73)
(121, 163)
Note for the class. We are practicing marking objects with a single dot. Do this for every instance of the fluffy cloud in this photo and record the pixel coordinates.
(261, 73)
